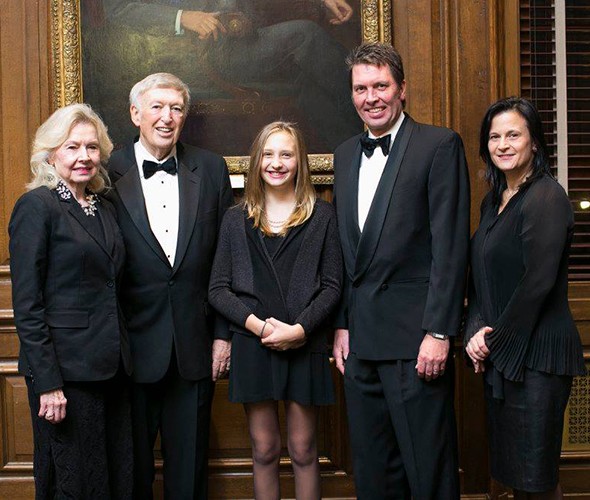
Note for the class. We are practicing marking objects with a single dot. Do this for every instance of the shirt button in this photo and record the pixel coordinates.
(171, 283)
(384, 286)
(110, 284)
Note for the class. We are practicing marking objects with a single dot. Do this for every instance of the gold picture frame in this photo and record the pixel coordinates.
(66, 58)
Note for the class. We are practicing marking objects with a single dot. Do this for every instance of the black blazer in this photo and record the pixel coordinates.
(64, 291)
(405, 274)
(164, 305)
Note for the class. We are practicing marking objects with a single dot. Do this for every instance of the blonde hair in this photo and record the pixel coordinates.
(159, 81)
(54, 132)
(254, 194)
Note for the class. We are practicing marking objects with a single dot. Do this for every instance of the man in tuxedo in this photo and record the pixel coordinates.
(170, 198)
(402, 195)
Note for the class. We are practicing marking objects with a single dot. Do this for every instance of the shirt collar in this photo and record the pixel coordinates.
(393, 130)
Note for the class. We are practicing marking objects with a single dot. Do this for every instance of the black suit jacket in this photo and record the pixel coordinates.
(165, 305)
(405, 274)
(64, 291)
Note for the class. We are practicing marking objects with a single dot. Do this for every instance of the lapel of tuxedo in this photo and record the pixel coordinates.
(189, 188)
(348, 209)
(376, 217)
(109, 230)
(131, 194)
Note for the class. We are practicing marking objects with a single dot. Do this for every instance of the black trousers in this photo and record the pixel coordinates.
(181, 410)
(403, 431)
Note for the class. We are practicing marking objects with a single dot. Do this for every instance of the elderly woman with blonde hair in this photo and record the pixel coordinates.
(66, 255)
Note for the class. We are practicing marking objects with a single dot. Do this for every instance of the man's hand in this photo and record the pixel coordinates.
(339, 9)
(283, 336)
(52, 406)
(432, 357)
(205, 24)
(340, 349)
(477, 349)
(221, 353)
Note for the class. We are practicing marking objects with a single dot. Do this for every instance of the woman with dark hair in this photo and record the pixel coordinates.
(519, 329)
(66, 258)
(276, 277)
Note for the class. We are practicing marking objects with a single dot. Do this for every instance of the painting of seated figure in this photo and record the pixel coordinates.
(247, 62)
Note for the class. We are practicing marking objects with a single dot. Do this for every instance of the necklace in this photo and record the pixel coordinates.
(276, 223)
(65, 194)
(280, 223)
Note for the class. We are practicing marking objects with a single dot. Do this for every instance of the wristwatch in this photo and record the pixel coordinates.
(438, 336)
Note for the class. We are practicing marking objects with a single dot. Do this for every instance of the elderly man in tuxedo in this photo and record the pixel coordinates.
(402, 197)
(170, 198)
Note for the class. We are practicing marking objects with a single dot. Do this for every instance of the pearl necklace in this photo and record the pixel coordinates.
(280, 223)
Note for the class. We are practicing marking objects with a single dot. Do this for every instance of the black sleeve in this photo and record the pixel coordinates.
(221, 294)
(448, 202)
(322, 305)
(30, 234)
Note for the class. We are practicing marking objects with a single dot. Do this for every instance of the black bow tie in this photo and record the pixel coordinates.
(151, 167)
(369, 144)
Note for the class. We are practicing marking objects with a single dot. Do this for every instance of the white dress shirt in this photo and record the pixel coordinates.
(370, 173)
(160, 193)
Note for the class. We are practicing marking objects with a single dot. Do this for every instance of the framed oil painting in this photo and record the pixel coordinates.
(265, 60)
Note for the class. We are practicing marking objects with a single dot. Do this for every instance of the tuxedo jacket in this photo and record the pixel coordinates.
(405, 273)
(164, 305)
(64, 291)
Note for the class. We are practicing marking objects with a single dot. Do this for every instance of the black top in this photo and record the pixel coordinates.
(519, 283)
(272, 260)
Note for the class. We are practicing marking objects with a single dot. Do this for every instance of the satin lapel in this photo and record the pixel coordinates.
(380, 205)
(131, 194)
(109, 230)
(348, 209)
(189, 187)
(80, 218)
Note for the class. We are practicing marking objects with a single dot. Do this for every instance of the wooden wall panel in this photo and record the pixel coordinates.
(24, 99)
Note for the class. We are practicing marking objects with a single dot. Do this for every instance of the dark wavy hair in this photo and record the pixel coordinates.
(494, 176)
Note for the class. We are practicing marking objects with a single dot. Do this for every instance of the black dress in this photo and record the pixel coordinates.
(518, 287)
(265, 277)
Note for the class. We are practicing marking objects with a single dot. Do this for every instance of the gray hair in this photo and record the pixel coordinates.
(54, 132)
(159, 81)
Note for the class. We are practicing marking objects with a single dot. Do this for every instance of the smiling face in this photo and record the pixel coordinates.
(278, 165)
(77, 160)
(160, 118)
(510, 144)
(377, 97)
